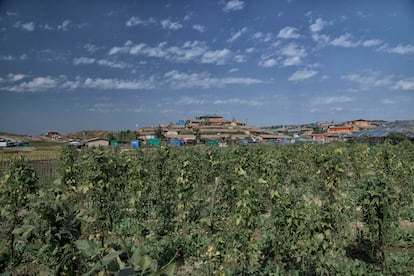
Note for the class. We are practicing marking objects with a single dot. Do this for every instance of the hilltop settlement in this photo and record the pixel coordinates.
(215, 130)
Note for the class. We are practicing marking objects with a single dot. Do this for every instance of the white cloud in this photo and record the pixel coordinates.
(191, 101)
(237, 34)
(136, 21)
(390, 101)
(318, 25)
(372, 42)
(112, 64)
(72, 84)
(12, 78)
(238, 101)
(233, 5)
(9, 13)
(369, 80)
(345, 41)
(101, 62)
(292, 54)
(28, 26)
(91, 47)
(189, 51)
(407, 84)
(111, 108)
(331, 100)
(35, 84)
(301, 75)
(218, 57)
(168, 24)
(399, 49)
(83, 60)
(64, 25)
(263, 37)
(320, 38)
(239, 58)
(288, 33)
(15, 77)
(199, 28)
(268, 62)
(178, 80)
(47, 27)
(231, 101)
(249, 50)
(106, 84)
(7, 58)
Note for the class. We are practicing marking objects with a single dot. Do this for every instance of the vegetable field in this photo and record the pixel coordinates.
(335, 209)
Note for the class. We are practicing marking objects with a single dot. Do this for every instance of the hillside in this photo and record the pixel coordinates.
(89, 134)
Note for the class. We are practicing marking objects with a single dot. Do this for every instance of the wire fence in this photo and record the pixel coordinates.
(43, 167)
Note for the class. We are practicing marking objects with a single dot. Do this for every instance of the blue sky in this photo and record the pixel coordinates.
(116, 65)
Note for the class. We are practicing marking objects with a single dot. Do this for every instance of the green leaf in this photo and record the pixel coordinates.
(110, 257)
(167, 270)
(136, 257)
(87, 248)
(145, 263)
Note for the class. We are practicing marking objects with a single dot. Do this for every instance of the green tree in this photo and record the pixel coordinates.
(18, 183)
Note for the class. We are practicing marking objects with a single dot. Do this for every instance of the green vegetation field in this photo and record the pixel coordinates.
(336, 209)
(38, 150)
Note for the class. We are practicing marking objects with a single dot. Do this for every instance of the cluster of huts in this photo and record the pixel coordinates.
(215, 130)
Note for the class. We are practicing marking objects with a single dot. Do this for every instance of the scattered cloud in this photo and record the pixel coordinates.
(292, 54)
(238, 101)
(318, 25)
(331, 100)
(288, 33)
(345, 41)
(190, 101)
(10, 78)
(237, 34)
(29, 26)
(9, 13)
(64, 26)
(231, 101)
(239, 58)
(268, 62)
(233, 5)
(35, 84)
(370, 79)
(83, 60)
(112, 64)
(199, 28)
(7, 58)
(101, 62)
(301, 75)
(188, 51)
(91, 47)
(399, 49)
(372, 42)
(263, 37)
(106, 84)
(390, 101)
(114, 108)
(136, 21)
(407, 84)
(170, 25)
(204, 80)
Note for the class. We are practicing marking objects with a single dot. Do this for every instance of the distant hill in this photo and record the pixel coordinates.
(14, 137)
(89, 134)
